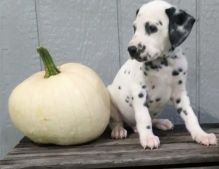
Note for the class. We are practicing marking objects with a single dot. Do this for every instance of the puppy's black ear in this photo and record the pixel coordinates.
(137, 11)
(180, 25)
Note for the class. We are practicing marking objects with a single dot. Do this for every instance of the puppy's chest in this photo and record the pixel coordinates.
(158, 80)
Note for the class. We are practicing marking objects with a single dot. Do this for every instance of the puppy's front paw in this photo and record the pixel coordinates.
(205, 138)
(149, 141)
(119, 133)
(163, 124)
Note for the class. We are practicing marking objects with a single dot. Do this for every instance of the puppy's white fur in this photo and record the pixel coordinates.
(140, 91)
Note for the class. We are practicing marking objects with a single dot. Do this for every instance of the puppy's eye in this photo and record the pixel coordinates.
(134, 27)
(152, 29)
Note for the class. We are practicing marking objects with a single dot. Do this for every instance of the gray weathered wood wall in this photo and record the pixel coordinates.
(96, 33)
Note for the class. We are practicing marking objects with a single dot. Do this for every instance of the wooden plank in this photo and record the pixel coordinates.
(114, 157)
(206, 167)
(178, 135)
(127, 10)
(176, 149)
(18, 59)
(209, 93)
(81, 31)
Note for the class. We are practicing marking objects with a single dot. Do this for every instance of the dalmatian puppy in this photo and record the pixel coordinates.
(154, 76)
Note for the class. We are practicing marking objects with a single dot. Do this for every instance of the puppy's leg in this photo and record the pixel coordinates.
(162, 124)
(182, 103)
(116, 124)
(143, 120)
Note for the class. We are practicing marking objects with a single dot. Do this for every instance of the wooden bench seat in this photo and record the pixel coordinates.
(177, 150)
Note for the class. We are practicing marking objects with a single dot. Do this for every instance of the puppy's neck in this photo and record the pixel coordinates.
(162, 60)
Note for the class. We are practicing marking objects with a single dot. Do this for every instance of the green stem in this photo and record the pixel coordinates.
(49, 65)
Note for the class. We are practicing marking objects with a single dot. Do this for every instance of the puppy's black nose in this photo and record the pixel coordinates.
(132, 50)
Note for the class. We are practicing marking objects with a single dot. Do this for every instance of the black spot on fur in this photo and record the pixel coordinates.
(178, 101)
(164, 62)
(148, 127)
(153, 87)
(171, 49)
(160, 23)
(147, 64)
(185, 112)
(145, 74)
(175, 73)
(174, 57)
(147, 68)
(158, 99)
(184, 73)
(144, 87)
(137, 11)
(151, 101)
(140, 45)
(134, 28)
(132, 98)
(179, 110)
(119, 87)
(146, 105)
(154, 66)
(126, 101)
(130, 105)
(145, 58)
(180, 82)
(140, 95)
(180, 69)
(142, 49)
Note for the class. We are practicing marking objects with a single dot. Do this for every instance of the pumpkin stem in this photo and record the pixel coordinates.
(49, 65)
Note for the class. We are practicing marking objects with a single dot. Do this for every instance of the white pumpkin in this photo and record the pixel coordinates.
(69, 105)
